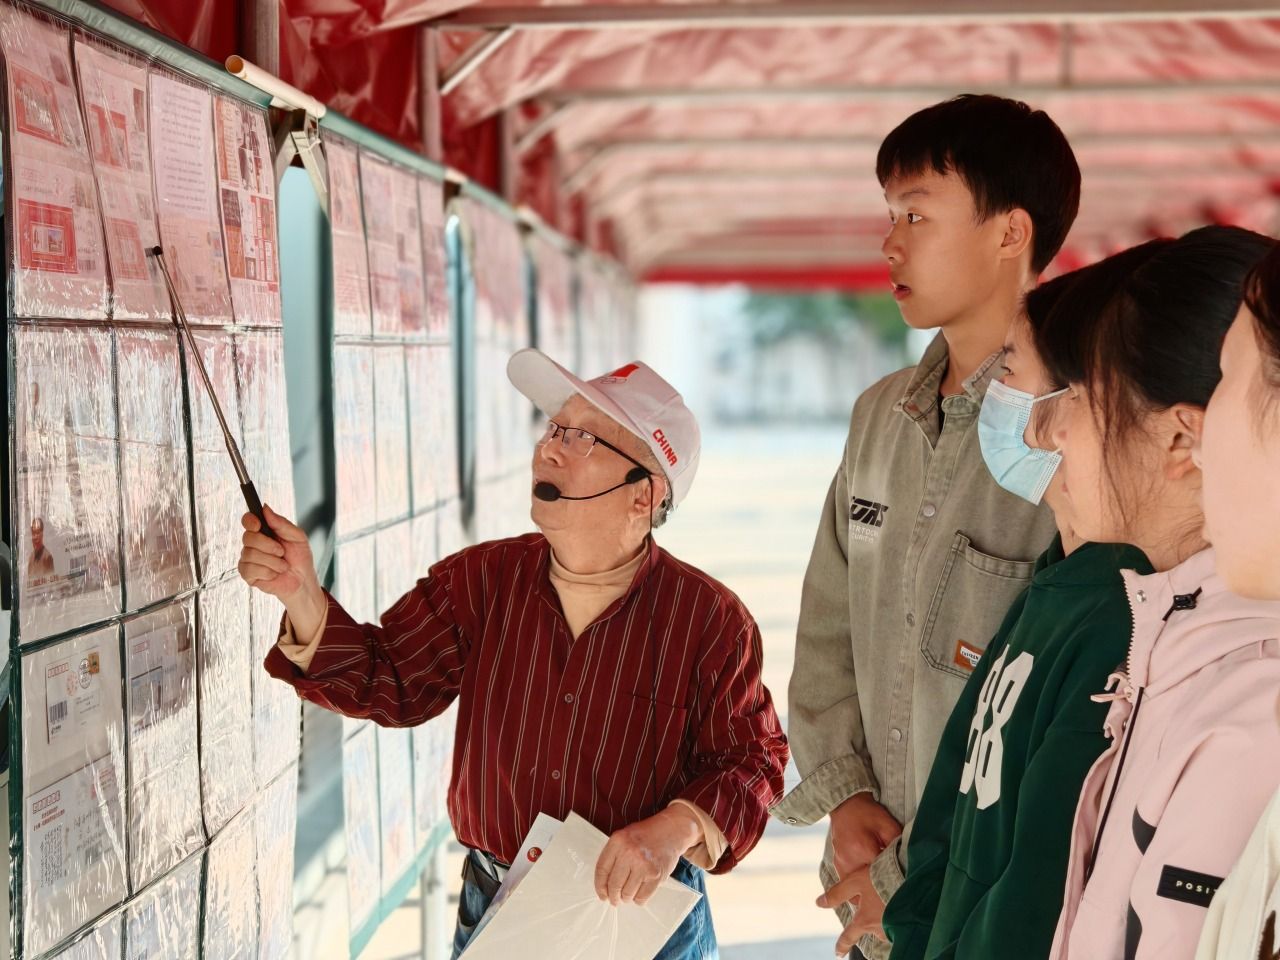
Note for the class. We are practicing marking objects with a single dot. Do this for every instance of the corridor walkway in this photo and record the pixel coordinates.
(750, 523)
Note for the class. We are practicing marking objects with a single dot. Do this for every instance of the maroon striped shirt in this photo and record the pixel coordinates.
(666, 681)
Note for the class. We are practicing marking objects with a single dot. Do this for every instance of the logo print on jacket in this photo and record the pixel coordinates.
(866, 517)
(985, 752)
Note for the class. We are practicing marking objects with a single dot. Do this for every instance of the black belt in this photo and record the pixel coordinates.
(484, 870)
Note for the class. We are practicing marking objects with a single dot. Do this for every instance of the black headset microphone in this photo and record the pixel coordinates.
(550, 493)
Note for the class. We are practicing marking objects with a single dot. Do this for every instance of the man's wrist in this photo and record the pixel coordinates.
(306, 613)
(683, 818)
(854, 801)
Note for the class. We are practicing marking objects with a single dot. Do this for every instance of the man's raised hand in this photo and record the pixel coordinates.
(284, 568)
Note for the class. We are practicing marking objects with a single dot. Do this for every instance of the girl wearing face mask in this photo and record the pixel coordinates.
(1240, 459)
(1195, 749)
(987, 856)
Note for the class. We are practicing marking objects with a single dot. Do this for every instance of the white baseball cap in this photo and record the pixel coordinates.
(637, 398)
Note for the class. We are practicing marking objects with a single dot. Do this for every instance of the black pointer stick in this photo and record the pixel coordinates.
(237, 461)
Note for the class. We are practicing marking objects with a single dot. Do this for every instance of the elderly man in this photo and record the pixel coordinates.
(594, 672)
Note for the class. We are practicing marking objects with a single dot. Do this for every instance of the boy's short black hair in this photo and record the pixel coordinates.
(1008, 155)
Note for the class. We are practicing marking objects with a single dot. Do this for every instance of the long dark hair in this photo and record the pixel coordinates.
(1145, 329)
(1262, 297)
(1063, 313)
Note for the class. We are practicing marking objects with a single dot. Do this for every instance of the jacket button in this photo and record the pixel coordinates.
(929, 510)
(555, 774)
(568, 698)
(911, 619)
(895, 735)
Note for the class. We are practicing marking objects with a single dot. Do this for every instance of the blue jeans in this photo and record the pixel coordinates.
(694, 939)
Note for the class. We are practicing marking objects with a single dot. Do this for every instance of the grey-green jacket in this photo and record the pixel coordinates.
(918, 557)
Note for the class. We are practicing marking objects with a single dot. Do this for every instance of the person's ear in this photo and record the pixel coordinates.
(1185, 426)
(642, 499)
(1018, 232)
(649, 493)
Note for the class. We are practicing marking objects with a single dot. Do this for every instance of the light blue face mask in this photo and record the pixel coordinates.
(1022, 470)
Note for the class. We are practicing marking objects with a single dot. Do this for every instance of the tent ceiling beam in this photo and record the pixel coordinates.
(931, 92)
(787, 174)
(555, 115)
(770, 15)
(603, 151)
(475, 57)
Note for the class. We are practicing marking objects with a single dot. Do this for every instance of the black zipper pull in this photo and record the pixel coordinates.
(1183, 601)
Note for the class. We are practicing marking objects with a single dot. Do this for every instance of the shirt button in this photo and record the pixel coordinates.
(555, 774)
(1142, 596)
(568, 698)
(911, 619)
(929, 510)
(895, 735)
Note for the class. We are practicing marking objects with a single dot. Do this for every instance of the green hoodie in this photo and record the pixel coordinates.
(986, 865)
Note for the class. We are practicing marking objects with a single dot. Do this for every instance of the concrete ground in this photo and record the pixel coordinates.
(749, 522)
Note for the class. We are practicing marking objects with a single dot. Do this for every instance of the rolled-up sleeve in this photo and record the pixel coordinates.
(399, 673)
(740, 750)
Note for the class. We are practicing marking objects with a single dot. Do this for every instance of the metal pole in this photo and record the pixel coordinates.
(508, 159)
(260, 32)
(233, 449)
(771, 15)
(930, 92)
(429, 93)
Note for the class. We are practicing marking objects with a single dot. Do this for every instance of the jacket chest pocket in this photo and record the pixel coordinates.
(973, 595)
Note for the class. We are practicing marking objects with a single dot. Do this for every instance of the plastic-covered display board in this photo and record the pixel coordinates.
(186, 191)
(153, 765)
(57, 256)
(505, 424)
(554, 271)
(605, 312)
(227, 665)
(352, 312)
(67, 485)
(113, 89)
(396, 477)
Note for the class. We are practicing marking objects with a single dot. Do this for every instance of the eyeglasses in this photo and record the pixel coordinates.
(580, 443)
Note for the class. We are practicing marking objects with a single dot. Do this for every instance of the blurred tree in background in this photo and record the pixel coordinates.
(824, 316)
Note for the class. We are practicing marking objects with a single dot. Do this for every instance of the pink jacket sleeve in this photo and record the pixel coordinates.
(1219, 766)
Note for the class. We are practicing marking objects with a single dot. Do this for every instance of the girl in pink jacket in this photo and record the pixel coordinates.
(1195, 751)
(1240, 458)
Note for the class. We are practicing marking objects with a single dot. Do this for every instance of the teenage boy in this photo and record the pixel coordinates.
(919, 553)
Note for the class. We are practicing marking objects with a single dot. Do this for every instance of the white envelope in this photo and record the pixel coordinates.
(536, 840)
(554, 913)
